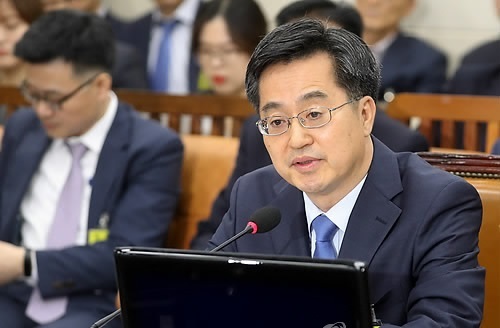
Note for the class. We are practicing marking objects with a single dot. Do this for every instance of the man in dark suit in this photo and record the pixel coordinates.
(252, 153)
(408, 63)
(128, 70)
(57, 265)
(479, 70)
(146, 35)
(342, 193)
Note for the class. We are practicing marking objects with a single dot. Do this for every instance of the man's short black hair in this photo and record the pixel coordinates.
(84, 40)
(353, 65)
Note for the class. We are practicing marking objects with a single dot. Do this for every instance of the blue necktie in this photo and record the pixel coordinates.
(159, 77)
(325, 230)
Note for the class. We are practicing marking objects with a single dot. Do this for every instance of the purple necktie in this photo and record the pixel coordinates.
(62, 233)
(325, 230)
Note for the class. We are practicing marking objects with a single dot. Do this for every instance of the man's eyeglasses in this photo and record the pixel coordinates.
(311, 118)
(53, 104)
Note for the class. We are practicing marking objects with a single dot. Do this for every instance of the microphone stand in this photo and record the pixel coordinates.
(247, 229)
(106, 319)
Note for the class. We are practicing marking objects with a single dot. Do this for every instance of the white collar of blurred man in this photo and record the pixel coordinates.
(91, 6)
(382, 18)
(182, 11)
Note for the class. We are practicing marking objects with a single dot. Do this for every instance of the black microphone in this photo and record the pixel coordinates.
(262, 220)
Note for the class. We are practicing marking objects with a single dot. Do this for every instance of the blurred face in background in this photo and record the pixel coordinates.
(383, 16)
(497, 2)
(167, 7)
(221, 60)
(12, 28)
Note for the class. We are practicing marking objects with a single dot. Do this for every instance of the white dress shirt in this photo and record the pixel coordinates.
(38, 206)
(339, 214)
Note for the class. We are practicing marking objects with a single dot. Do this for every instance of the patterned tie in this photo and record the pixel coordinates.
(325, 230)
(159, 77)
(63, 233)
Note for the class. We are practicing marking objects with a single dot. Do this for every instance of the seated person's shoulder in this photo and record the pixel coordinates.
(418, 47)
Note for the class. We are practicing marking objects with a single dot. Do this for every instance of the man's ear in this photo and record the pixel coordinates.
(104, 83)
(368, 110)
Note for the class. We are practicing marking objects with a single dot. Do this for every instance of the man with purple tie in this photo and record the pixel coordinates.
(80, 174)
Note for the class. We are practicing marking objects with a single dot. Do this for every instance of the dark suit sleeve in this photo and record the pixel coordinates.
(448, 288)
(146, 201)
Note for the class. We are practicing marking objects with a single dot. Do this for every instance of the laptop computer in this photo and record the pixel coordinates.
(171, 288)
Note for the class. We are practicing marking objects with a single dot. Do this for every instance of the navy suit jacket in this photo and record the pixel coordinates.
(252, 154)
(415, 226)
(128, 69)
(138, 34)
(135, 188)
(411, 65)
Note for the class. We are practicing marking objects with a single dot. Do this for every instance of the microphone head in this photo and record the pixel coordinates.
(265, 219)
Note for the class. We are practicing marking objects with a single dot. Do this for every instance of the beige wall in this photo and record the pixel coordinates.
(451, 25)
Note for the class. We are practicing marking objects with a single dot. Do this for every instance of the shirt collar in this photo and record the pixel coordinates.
(185, 13)
(379, 48)
(339, 213)
(94, 138)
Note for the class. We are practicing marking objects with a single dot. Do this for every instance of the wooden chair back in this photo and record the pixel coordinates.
(208, 163)
(227, 112)
(483, 172)
(448, 110)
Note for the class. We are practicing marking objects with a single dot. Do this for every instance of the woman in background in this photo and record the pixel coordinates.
(225, 34)
(15, 18)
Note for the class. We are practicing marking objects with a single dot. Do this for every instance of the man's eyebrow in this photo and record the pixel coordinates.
(270, 105)
(316, 94)
(312, 95)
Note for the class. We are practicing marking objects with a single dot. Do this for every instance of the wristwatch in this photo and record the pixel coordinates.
(27, 262)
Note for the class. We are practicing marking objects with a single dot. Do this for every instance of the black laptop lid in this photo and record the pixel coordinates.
(164, 288)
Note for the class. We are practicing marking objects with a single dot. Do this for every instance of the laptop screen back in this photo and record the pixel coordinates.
(161, 288)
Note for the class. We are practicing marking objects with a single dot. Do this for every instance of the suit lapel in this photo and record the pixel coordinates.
(374, 213)
(291, 236)
(25, 161)
(112, 161)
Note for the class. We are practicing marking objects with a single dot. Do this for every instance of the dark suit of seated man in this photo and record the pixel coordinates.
(80, 174)
(415, 226)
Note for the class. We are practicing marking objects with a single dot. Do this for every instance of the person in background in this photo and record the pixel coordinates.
(15, 18)
(163, 38)
(478, 74)
(479, 70)
(252, 153)
(225, 33)
(343, 194)
(408, 63)
(80, 174)
(128, 71)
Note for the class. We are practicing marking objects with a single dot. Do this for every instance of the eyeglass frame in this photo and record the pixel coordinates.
(289, 119)
(54, 105)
